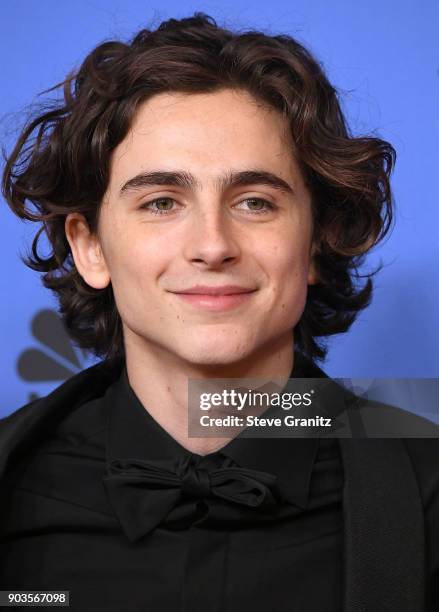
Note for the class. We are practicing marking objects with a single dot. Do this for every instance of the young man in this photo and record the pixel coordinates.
(207, 210)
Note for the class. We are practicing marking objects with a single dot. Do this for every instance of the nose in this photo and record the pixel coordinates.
(211, 241)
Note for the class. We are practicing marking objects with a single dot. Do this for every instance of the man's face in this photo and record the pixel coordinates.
(231, 210)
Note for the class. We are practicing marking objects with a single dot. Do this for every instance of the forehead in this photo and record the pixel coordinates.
(224, 128)
(230, 108)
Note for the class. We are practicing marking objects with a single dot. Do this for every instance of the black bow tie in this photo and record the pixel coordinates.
(144, 494)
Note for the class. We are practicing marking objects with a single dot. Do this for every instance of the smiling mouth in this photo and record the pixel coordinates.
(215, 302)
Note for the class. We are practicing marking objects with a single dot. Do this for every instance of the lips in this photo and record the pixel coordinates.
(209, 290)
(215, 299)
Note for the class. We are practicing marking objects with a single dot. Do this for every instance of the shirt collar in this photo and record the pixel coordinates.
(133, 433)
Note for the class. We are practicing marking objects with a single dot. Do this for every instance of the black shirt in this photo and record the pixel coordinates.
(66, 529)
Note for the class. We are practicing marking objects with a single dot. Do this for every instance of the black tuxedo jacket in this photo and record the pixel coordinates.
(387, 483)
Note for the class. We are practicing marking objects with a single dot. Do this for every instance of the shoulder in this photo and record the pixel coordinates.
(85, 385)
(25, 430)
(371, 418)
(384, 420)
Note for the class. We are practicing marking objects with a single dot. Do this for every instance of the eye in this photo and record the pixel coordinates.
(163, 206)
(257, 205)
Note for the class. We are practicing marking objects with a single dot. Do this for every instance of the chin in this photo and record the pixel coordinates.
(216, 353)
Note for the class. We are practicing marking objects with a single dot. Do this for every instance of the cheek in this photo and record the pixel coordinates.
(137, 275)
(289, 263)
(290, 276)
(132, 253)
(136, 260)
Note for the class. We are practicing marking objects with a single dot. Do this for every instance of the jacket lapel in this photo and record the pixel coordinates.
(384, 550)
(383, 528)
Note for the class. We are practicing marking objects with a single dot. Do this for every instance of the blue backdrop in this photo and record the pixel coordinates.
(382, 56)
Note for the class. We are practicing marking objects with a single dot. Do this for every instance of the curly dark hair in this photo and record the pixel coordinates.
(60, 164)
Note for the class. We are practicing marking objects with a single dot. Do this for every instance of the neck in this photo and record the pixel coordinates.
(160, 381)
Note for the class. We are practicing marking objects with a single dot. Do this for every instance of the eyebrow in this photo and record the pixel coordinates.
(188, 181)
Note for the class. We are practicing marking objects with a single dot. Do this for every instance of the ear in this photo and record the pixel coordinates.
(87, 252)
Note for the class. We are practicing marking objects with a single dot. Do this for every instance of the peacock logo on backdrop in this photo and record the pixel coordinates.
(54, 358)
